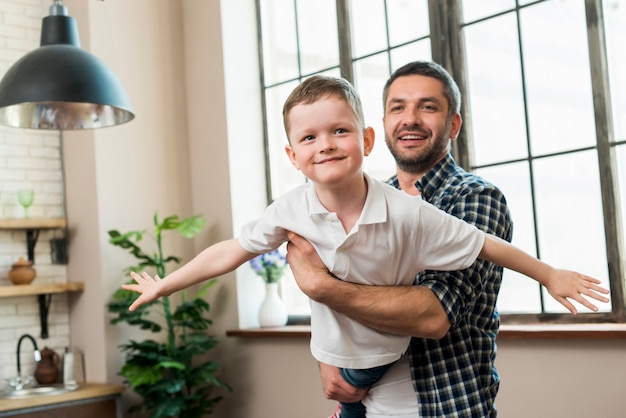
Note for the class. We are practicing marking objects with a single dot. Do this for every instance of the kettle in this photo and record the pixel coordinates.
(73, 367)
(47, 370)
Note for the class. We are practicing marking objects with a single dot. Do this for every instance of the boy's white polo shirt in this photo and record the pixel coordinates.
(396, 236)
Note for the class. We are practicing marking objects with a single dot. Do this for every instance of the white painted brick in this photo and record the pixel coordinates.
(12, 7)
(28, 158)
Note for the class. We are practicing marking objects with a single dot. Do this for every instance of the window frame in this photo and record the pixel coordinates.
(447, 48)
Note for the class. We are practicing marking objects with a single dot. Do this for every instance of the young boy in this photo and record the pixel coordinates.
(364, 230)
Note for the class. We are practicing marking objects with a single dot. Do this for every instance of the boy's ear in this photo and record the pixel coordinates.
(292, 156)
(368, 140)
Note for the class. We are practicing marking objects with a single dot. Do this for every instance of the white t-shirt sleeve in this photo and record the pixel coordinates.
(262, 235)
(445, 241)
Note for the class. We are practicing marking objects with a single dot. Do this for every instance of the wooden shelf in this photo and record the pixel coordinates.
(40, 289)
(32, 226)
(33, 223)
(44, 296)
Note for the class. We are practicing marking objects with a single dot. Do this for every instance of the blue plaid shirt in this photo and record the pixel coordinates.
(456, 376)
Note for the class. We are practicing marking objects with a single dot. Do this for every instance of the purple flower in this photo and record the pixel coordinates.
(269, 266)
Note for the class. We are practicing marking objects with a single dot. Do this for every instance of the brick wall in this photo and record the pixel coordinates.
(28, 159)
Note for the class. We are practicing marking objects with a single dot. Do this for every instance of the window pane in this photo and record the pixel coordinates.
(558, 80)
(370, 77)
(569, 217)
(478, 9)
(296, 301)
(518, 294)
(319, 48)
(408, 20)
(280, 51)
(495, 90)
(367, 21)
(615, 24)
(414, 51)
(282, 174)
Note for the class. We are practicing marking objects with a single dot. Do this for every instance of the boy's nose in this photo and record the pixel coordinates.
(326, 143)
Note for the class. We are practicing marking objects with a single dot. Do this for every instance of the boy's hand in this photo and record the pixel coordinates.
(146, 285)
(564, 285)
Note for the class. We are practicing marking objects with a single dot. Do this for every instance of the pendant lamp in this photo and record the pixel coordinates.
(61, 86)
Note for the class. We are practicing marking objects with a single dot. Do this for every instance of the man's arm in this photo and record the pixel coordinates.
(400, 310)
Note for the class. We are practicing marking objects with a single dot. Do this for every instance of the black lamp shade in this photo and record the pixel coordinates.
(61, 86)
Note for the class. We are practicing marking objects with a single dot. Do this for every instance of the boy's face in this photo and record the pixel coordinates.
(326, 142)
(417, 127)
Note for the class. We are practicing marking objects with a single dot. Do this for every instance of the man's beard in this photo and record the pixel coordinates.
(427, 158)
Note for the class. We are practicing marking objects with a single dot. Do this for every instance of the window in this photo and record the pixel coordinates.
(542, 107)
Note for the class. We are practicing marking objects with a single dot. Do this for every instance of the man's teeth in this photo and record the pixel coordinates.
(413, 137)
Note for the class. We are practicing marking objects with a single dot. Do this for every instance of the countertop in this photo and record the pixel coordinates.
(85, 391)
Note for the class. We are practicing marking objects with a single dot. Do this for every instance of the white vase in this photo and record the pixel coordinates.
(273, 312)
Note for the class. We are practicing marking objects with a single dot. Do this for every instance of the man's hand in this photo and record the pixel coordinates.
(336, 388)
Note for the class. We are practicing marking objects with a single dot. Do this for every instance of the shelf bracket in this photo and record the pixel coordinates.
(44, 308)
(31, 241)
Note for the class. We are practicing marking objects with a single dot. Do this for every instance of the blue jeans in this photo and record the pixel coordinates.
(361, 379)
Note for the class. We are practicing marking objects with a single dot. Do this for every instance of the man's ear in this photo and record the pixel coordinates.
(368, 140)
(292, 156)
(455, 125)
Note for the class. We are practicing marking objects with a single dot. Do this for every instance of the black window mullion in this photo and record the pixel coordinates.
(344, 33)
(452, 57)
(531, 157)
(606, 152)
(266, 156)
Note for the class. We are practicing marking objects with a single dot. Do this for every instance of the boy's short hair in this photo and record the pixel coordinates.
(320, 86)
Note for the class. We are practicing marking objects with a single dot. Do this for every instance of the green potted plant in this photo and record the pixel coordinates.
(167, 372)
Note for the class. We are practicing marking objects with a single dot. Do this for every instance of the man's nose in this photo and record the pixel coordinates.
(412, 117)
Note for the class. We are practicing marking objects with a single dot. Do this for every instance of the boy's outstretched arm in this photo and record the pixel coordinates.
(220, 258)
(561, 284)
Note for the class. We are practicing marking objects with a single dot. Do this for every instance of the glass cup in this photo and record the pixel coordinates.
(26, 198)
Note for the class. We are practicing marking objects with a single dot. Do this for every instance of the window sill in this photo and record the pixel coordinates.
(507, 331)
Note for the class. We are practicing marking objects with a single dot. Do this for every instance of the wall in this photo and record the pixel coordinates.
(28, 159)
(188, 67)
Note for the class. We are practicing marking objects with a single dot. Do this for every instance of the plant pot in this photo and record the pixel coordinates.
(273, 312)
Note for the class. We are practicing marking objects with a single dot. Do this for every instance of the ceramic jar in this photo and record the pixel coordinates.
(47, 370)
(22, 272)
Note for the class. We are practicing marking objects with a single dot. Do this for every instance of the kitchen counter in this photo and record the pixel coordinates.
(84, 394)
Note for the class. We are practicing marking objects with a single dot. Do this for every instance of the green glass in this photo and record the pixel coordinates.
(26, 198)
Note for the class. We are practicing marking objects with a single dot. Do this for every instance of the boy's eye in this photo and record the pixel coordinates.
(308, 138)
(340, 131)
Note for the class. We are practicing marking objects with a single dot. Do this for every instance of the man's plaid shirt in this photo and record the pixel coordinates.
(456, 376)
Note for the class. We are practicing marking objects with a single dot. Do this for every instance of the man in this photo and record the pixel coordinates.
(449, 368)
